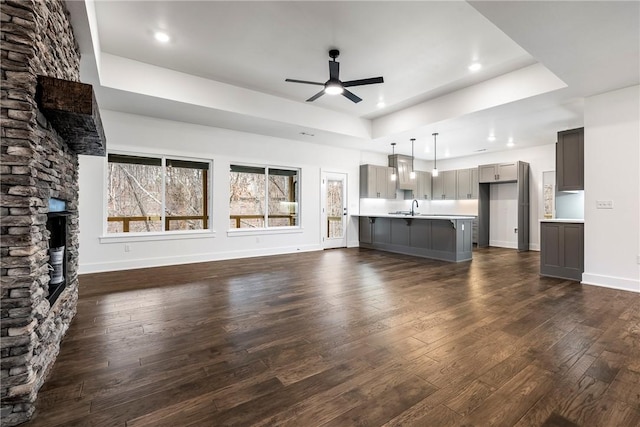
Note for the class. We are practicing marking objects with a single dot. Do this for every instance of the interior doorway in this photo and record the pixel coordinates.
(334, 210)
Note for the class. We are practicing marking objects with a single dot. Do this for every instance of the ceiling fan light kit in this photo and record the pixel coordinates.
(334, 86)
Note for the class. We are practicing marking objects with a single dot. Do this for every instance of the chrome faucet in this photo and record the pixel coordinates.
(417, 206)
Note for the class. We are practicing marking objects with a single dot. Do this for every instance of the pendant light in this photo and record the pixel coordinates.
(412, 175)
(435, 160)
(394, 176)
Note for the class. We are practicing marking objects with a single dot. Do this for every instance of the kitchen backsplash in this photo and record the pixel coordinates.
(451, 207)
(570, 205)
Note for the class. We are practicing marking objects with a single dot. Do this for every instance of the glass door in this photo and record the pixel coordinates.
(334, 210)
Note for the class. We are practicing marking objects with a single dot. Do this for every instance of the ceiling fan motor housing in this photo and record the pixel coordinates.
(334, 85)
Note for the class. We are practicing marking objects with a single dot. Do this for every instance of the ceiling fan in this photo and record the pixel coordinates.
(334, 86)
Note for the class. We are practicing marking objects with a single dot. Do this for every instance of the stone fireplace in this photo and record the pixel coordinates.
(38, 164)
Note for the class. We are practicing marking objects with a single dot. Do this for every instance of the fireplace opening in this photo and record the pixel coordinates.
(57, 226)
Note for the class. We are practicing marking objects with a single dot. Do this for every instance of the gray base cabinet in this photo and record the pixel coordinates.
(562, 250)
(441, 239)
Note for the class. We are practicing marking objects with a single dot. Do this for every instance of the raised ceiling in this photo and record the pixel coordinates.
(239, 53)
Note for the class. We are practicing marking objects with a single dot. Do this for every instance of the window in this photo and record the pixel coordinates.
(263, 197)
(147, 194)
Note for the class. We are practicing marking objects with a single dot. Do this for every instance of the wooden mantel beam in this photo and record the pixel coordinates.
(72, 110)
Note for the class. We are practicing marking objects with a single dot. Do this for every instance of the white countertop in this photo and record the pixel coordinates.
(569, 220)
(417, 216)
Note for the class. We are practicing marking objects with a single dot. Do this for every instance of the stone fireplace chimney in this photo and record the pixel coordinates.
(38, 163)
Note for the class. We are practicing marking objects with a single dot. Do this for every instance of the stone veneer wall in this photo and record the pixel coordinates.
(35, 164)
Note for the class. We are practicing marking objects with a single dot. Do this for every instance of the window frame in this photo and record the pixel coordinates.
(268, 229)
(164, 234)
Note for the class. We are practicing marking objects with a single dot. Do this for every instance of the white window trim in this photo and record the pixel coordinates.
(161, 235)
(234, 232)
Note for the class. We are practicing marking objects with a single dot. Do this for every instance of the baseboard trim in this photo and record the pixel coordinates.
(611, 282)
(503, 244)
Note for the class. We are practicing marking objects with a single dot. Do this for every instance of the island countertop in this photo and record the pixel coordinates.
(566, 220)
(416, 216)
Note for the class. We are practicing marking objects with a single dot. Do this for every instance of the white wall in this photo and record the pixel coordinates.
(139, 134)
(612, 160)
(540, 159)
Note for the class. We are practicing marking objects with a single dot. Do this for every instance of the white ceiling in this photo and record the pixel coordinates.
(422, 49)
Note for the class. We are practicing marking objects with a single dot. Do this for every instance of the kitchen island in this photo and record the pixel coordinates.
(441, 237)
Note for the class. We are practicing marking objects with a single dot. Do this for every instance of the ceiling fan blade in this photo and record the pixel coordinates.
(362, 82)
(316, 96)
(334, 70)
(304, 81)
(352, 96)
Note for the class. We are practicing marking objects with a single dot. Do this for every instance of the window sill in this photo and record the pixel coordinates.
(237, 232)
(150, 237)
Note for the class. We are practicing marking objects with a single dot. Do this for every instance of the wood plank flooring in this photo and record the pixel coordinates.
(347, 337)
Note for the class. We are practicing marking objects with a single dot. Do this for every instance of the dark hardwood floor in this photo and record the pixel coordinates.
(347, 337)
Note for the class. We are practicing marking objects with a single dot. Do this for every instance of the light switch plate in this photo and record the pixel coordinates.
(604, 204)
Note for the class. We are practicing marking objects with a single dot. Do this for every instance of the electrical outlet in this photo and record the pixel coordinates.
(515, 230)
(604, 204)
(127, 248)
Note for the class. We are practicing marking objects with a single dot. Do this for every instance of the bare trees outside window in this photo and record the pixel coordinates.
(147, 194)
(263, 197)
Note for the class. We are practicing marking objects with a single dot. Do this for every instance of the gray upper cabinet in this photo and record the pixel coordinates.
(423, 187)
(403, 164)
(499, 172)
(570, 160)
(467, 184)
(375, 182)
(445, 185)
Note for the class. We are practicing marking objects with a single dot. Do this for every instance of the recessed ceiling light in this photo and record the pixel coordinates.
(510, 143)
(162, 37)
(475, 66)
(381, 104)
(491, 138)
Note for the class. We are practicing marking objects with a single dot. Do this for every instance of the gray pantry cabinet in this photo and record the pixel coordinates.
(501, 173)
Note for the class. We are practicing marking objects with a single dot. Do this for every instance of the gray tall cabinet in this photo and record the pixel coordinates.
(497, 174)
